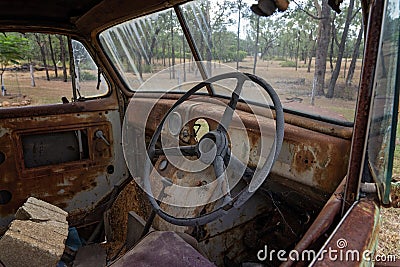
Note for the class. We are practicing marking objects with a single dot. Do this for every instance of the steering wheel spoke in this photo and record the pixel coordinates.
(230, 109)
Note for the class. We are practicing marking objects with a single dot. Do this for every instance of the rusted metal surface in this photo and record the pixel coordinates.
(363, 104)
(365, 13)
(355, 235)
(293, 119)
(108, 13)
(309, 157)
(77, 16)
(77, 186)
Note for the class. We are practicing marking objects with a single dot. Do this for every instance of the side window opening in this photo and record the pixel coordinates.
(35, 70)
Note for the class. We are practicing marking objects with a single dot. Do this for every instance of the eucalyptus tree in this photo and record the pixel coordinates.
(41, 41)
(222, 19)
(341, 49)
(355, 54)
(52, 55)
(63, 55)
(242, 12)
(324, 32)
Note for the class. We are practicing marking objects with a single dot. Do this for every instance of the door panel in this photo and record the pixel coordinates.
(60, 158)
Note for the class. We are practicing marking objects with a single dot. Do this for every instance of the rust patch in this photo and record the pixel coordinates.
(304, 160)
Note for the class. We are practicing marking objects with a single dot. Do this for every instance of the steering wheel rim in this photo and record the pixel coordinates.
(248, 191)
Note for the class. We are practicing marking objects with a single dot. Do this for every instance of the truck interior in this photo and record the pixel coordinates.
(196, 150)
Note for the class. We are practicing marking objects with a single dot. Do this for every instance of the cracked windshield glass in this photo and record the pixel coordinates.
(314, 72)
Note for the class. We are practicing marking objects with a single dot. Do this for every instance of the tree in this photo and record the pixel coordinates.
(13, 47)
(342, 44)
(172, 45)
(63, 56)
(324, 31)
(240, 5)
(256, 44)
(354, 57)
(42, 45)
(52, 56)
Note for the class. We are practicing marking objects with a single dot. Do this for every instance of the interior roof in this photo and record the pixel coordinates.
(84, 16)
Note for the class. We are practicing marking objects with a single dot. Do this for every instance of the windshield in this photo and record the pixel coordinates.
(284, 49)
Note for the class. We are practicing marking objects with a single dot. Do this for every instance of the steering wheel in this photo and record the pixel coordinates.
(213, 148)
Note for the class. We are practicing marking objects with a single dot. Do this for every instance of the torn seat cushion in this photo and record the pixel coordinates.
(163, 249)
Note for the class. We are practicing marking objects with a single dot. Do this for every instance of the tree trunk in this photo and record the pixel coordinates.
(209, 45)
(163, 54)
(310, 51)
(309, 64)
(43, 54)
(297, 49)
(3, 88)
(238, 33)
(354, 57)
(335, 74)
(172, 47)
(345, 65)
(139, 64)
(184, 58)
(53, 57)
(324, 31)
(154, 44)
(169, 62)
(33, 84)
(256, 44)
(63, 57)
(333, 30)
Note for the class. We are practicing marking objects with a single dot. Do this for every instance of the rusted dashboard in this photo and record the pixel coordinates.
(314, 153)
